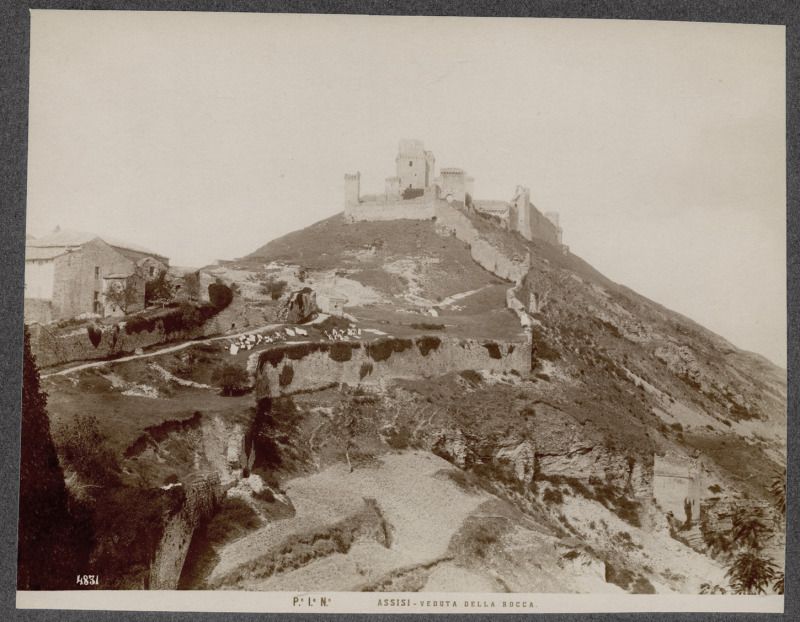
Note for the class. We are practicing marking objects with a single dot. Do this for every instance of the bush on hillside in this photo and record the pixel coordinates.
(273, 288)
(220, 295)
(232, 379)
(157, 289)
(86, 451)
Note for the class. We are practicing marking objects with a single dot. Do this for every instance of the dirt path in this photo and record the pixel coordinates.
(160, 351)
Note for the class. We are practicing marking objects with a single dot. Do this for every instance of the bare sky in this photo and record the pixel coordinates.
(203, 136)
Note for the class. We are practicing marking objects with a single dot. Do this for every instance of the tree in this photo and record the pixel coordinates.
(157, 289)
(86, 451)
(123, 295)
(52, 548)
(232, 379)
(778, 491)
(748, 530)
(220, 295)
(751, 572)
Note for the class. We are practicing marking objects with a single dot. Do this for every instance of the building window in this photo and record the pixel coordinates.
(410, 163)
(97, 272)
(152, 270)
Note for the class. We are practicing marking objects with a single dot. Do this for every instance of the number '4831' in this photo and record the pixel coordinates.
(88, 579)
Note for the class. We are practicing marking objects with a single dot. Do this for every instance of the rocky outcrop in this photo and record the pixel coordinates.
(299, 307)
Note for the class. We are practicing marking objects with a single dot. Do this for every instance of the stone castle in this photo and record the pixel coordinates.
(416, 193)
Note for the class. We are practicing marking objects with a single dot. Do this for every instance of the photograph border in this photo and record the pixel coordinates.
(14, 59)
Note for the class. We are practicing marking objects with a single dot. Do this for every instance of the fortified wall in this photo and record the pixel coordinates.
(300, 367)
(414, 193)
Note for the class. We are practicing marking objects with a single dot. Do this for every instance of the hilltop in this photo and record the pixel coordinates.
(507, 419)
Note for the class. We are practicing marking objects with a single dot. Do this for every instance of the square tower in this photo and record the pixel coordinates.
(414, 165)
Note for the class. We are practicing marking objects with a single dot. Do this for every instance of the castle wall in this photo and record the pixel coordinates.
(422, 208)
(541, 228)
(315, 366)
(451, 220)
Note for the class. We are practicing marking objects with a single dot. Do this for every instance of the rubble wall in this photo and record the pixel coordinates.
(302, 367)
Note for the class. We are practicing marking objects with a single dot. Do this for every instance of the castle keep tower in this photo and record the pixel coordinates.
(414, 166)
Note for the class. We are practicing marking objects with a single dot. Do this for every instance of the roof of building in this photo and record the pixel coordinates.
(117, 275)
(40, 254)
(62, 238)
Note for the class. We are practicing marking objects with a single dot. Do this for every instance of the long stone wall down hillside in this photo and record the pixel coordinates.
(452, 221)
(302, 367)
(411, 209)
(201, 499)
(55, 346)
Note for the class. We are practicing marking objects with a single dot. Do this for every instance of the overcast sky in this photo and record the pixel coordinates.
(203, 136)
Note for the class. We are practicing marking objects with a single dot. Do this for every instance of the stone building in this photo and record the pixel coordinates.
(69, 273)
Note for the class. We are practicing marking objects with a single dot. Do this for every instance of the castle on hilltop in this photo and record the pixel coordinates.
(415, 192)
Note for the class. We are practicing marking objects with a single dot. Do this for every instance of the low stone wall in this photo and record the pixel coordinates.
(56, 346)
(201, 498)
(301, 367)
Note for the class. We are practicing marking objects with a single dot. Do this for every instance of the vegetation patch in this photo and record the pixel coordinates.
(286, 376)
(541, 349)
(342, 351)
(426, 326)
(365, 370)
(471, 376)
(493, 349)
(95, 335)
(232, 379)
(428, 343)
(382, 349)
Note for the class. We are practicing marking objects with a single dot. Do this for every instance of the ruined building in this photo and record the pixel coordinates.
(416, 193)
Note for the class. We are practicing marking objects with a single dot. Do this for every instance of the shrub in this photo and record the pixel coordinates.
(286, 376)
(340, 352)
(471, 376)
(553, 495)
(382, 349)
(428, 343)
(233, 380)
(413, 193)
(493, 349)
(220, 295)
(157, 289)
(95, 334)
(365, 370)
(426, 326)
(87, 452)
(273, 288)
(399, 438)
(541, 348)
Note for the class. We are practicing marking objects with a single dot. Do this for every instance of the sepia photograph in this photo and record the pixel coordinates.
(386, 314)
